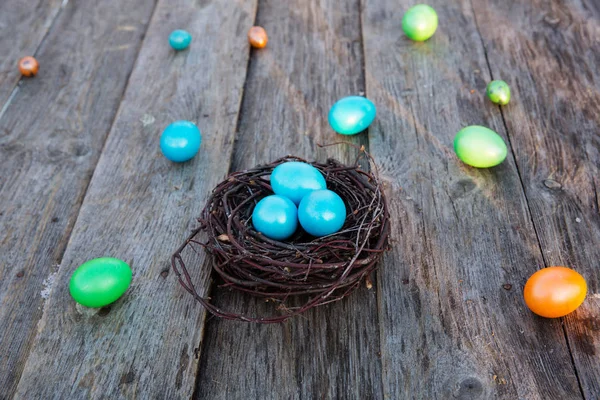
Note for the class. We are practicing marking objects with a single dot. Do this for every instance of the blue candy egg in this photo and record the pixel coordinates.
(180, 141)
(322, 212)
(352, 115)
(180, 39)
(275, 217)
(295, 180)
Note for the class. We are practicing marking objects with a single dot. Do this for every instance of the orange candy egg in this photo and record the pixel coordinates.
(28, 66)
(555, 291)
(257, 36)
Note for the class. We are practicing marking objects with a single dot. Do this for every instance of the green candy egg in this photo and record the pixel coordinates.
(498, 92)
(479, 147)
(420, 22)
(99, 282)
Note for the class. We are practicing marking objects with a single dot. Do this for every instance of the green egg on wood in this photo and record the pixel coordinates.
(498, 92)
(99, 282)
(479, 147)
(420, 22)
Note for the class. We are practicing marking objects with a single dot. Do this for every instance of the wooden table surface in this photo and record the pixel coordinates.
(82, 176)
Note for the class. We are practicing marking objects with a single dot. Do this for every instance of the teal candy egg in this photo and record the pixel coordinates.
(180, 39)
(295, 179)
(180, 141)
(322, 212)
(479, 147)
(276, 217)
(99, 282)
(352, 115)
(498, 92)
(420, 22)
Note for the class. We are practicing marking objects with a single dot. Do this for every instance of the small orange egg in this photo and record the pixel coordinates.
(257, 36)
(28, 66)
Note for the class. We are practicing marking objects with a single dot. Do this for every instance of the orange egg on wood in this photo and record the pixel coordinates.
(28, 66)
(257, 36)
(555, 291)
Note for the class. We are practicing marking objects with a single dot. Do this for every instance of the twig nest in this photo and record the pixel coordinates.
(317, 269)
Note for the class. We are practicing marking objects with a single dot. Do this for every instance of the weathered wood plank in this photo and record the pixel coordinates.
(547, 52)
(314, 57)
(51, 136)
(139, 207)
(453, 321)
(23, 26)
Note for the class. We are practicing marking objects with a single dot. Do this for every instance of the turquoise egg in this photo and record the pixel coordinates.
(479, 147)
(180, 39)
(352, 115)
(295, 180)
(322, 212)
(180, 141)
(276, 217)
(99, 282)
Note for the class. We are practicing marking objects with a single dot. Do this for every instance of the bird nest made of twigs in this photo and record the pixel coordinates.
(322, 269)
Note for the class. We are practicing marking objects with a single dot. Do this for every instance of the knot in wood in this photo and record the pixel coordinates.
(552, 184)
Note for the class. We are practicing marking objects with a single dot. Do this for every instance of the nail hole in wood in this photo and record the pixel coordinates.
(129, 377)
(470, 388)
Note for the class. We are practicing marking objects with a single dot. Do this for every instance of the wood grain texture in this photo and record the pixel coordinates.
(23, 26)
(139, 207)
(547, 52)
(314, 57)
(51, 136)
(453, 322)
